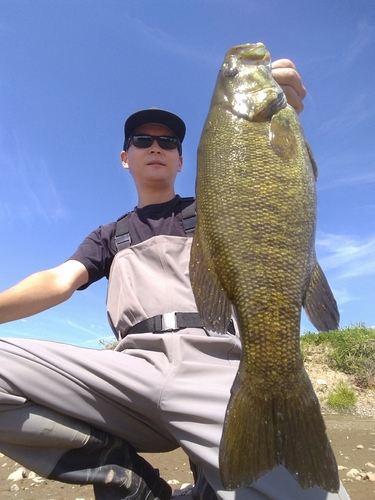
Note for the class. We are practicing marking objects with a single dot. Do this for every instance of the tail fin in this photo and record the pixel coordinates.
(287, 428)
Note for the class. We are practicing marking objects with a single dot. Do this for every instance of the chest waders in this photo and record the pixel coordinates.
(149, 289)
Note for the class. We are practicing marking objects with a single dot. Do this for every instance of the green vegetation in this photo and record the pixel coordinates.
(108, 345)
(349, 350)
(342, 397)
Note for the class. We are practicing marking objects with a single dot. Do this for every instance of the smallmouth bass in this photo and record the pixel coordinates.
(253, 253)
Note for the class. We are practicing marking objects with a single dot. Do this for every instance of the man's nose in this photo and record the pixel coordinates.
(155, 146)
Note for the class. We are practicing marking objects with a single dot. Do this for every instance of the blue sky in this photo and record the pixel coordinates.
(72, 71)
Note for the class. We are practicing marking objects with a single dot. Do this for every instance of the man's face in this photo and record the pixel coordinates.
(152, 166)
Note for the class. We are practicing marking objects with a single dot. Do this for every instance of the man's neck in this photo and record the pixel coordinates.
(153, 198)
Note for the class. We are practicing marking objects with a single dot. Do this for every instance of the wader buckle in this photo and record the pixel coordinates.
(169, 322)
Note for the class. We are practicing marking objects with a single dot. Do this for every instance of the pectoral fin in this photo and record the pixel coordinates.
(282, 139)
(320, 304)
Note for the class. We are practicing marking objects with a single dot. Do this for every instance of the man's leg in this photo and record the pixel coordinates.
(113, 467)
(53, 441)
(63, 449)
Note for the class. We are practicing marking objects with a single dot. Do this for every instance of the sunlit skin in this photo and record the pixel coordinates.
(153, 169)
(286, 75)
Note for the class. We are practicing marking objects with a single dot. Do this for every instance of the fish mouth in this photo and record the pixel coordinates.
(250, 53)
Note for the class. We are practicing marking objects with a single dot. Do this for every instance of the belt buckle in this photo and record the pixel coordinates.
(169, 321)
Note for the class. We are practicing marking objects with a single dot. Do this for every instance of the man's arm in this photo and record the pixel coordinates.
(42, 290)
(286, 75)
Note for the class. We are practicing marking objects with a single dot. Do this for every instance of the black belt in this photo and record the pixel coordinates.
(169, 322)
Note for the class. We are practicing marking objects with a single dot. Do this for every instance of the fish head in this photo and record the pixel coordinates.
(245, 85)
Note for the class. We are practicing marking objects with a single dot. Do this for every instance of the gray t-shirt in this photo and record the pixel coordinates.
(98, 249)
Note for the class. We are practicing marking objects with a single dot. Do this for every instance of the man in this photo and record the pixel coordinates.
(78, 415)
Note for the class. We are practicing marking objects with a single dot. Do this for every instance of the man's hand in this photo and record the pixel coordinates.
(286, 75)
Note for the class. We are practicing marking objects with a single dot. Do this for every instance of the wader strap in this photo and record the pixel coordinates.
(189, 219)
(122, 237)
(172, 321)
(189, 215)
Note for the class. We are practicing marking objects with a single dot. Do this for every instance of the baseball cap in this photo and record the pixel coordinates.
(155, 115)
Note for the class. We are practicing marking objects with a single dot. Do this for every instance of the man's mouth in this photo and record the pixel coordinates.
(155, 162)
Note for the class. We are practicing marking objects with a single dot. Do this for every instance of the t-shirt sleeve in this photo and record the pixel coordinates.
(96, 253)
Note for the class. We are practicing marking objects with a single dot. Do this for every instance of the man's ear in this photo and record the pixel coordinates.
(180, 165)
(124, 159)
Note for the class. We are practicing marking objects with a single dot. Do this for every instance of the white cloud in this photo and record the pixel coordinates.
(349, 264)
(344, 296)
(96, 331)
(346, 178)
(364, 37)
(156, 37)
(28, 188)
(353, 113)
(364, 178)
(346, 256)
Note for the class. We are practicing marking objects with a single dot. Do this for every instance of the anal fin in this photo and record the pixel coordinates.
(320, 304)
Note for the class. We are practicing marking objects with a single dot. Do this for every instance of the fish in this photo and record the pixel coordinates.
(253, 259)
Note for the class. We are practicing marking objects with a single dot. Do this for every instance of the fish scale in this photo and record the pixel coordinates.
(253, 252)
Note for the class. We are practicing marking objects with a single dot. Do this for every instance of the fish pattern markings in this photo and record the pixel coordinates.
(253, 255)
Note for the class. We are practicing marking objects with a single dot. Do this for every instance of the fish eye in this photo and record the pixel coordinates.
(231, 72)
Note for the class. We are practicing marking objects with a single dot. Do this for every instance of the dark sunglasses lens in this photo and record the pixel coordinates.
(142, 141)
(167, 142)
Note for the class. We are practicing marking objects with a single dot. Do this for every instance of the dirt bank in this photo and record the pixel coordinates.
(353, 440)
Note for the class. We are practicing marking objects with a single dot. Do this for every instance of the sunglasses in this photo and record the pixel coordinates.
(145, 141)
